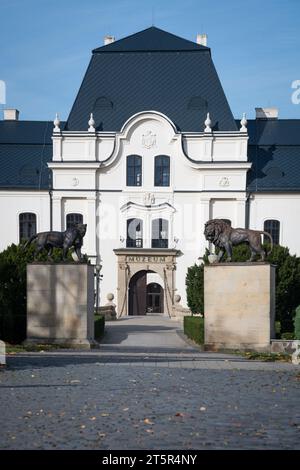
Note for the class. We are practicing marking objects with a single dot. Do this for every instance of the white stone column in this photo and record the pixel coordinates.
(57, 147)
(204, 217)
(57, 213)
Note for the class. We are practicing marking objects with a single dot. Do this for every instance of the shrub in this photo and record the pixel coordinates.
(13, 328)
(287, 283)
(289, 335)
(194, 328)
(194, 288)
(297, 323)
(278, 329)
(99, 326)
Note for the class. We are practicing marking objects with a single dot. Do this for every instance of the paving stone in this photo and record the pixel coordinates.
(178, 398)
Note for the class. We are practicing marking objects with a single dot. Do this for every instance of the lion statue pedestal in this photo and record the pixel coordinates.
(239, 306)
(60, 304)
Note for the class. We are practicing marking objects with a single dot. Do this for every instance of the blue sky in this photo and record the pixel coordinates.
(45, 47)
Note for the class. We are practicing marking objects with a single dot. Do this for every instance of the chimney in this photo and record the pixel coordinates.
(266, 113)
(201, 39)
(11, 114)
(108, 40)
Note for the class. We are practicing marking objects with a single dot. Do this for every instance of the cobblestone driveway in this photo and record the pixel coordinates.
(147, 389)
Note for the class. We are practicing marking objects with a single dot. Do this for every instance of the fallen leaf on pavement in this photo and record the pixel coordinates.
(147, 421)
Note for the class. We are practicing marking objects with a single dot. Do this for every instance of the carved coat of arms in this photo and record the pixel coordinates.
(149, 140)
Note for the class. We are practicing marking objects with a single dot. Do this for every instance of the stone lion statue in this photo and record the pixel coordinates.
(223, 236)
(72, 237)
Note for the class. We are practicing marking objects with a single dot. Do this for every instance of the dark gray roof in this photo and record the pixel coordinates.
(24, 166)
(26, 132)
(274, 150)
(151, 70)
(274, 131)
(25, 149)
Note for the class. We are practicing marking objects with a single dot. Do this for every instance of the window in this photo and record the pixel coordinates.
(162, 171)
(273, 228)
(103, 103)
(27, 225)
(160, 233)
(197, 102)
(73, 219)
(134, 170)
(134, 233)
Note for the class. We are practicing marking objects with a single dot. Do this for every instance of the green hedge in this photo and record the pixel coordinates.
(297, 323)
(194, 328)
(99, 326)
(13, 328)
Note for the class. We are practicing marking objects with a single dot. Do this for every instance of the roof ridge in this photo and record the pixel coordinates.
(113, 46)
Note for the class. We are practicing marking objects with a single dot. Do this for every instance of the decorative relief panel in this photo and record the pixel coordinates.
(224, 182)
(75, 182)
(149, 140)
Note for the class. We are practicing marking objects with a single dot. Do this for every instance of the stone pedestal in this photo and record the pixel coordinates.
(109, 312)
(60, 304)
(239, 306)
(179, 312)
(2, 354)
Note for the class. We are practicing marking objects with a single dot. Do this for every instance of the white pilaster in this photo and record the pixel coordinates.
(91, 226)
(57, 213)
(57, 147)
(240, 212)
(204, 217)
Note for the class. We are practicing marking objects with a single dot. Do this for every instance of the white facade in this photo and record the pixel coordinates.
(207, 180)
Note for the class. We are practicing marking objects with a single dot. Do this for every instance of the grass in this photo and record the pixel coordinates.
(265, 357)
(18, 348)
(194, 328)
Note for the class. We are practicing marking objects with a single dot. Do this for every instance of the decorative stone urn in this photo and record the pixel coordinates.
(212, 258)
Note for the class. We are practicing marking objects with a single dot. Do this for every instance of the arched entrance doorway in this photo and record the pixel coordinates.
(161, 263)
(144, 297)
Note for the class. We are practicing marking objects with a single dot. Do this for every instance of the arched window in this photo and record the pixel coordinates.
(134, 170)
(134, 233)
(27, 225)
(160, 233)
(162, 170)
(73, 219)
(273, 228)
